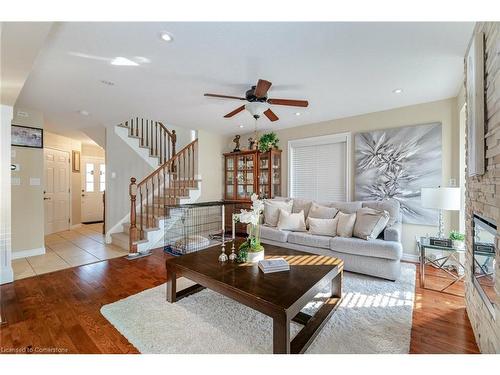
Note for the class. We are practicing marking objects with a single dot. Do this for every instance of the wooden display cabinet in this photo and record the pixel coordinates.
(248, 172)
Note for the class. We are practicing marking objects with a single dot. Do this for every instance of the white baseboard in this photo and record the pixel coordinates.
(411, 258)
(28, 253)
(6, 275)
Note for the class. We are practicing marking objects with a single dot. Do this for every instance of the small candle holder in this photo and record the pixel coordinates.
(223, 257)
(232, 256)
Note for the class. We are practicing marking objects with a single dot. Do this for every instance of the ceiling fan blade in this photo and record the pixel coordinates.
(291, 102)
(237, 110)
(271, 115)
(262, 87)
(224, 96)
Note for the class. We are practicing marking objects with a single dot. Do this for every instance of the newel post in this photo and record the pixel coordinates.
(133, 228)
(174, 141)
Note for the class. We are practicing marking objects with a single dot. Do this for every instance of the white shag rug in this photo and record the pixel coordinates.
(375, 316)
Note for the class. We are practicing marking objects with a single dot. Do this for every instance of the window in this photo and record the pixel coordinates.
(89, 177)
(319, 168)
(102, 177)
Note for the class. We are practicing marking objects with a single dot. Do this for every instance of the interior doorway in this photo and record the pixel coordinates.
(93, 186)
(56, 190)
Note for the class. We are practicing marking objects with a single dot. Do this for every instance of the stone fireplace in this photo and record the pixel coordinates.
(483, 200)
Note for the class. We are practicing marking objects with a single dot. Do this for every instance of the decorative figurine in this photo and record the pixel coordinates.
(236, 141)
(251, 144)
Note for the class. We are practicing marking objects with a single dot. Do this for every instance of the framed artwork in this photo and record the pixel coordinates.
(24, 136)
(474, 87)
(75, 161)
(397, 163)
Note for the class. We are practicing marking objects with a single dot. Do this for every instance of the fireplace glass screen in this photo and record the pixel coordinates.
(484, 263)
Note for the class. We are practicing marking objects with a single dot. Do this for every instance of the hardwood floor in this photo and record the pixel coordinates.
(59, 312)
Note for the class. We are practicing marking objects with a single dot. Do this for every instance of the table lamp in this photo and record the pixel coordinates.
(441, 198)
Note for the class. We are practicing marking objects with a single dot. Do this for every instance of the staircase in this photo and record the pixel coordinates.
(174, 181)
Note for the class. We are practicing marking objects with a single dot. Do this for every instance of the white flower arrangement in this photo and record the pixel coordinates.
(252, 217)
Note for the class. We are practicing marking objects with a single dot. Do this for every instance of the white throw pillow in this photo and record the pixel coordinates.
(323, 227)
(272, 210)
(293, 222)
(345, 225)
(322, 212)
(370, 223)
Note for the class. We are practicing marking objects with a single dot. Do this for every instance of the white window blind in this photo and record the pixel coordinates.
(319, 169)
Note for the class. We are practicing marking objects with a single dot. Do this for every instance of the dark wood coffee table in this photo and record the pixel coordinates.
(280, 295)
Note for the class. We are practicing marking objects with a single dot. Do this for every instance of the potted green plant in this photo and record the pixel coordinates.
(267, 141)
(457, 239)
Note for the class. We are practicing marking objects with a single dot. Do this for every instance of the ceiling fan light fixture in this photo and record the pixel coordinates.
(297, 113)
(256, 108)
(242, 126)
(397, 91)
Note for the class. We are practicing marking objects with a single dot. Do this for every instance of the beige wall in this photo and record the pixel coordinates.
(59, 142)
(444, 111)
(210, 149)
(26, 200)
(92, 150)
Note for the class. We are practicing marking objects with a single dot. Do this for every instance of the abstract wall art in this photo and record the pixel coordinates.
(397, 163)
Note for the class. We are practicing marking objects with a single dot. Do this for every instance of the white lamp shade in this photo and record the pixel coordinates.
(444, 198)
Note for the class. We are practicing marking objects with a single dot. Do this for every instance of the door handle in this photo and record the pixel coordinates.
(45, 199)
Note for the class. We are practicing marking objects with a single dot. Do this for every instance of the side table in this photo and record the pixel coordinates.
(424, 244)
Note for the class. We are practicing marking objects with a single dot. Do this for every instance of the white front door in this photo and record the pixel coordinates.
(56, 193)
(93, 185)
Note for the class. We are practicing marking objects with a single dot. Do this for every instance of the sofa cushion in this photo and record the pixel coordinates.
(346, 207)
(370, 223)
(291, 221)
(345, 224)
(323, 227)
(372, 248)
(272, 210)
(273, 234)
(392, 206)
(322, 212)
(307, 239)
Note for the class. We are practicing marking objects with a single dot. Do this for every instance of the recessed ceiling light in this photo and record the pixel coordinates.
(83, 112)
(123, 61)
(242, 126)
(297, 113)
(166, 36)
(397, 91)
(107, 83)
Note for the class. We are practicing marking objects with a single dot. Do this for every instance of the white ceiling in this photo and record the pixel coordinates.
(343, 69)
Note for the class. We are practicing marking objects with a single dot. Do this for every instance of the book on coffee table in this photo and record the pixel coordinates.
(274, 265)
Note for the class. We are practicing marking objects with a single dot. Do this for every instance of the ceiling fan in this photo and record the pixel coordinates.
(258, 102)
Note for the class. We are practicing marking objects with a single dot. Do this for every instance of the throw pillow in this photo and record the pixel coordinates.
(293, 222)
(301, 205)
(370, 223)
(272, 210)
(323, 227)
(345, 224)
(322, 212)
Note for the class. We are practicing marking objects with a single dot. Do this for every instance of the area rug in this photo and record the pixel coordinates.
(375, 316)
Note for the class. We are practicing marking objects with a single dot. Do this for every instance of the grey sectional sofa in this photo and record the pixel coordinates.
(379, 257)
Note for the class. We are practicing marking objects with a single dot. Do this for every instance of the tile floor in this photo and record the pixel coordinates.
(67, 249)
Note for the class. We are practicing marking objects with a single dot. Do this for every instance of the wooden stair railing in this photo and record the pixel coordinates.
(153, 135)
(166, 185)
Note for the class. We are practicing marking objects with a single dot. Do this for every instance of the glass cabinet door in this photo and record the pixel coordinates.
(276, 174)
(229, 183)
(264, 168)
(245, 176)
